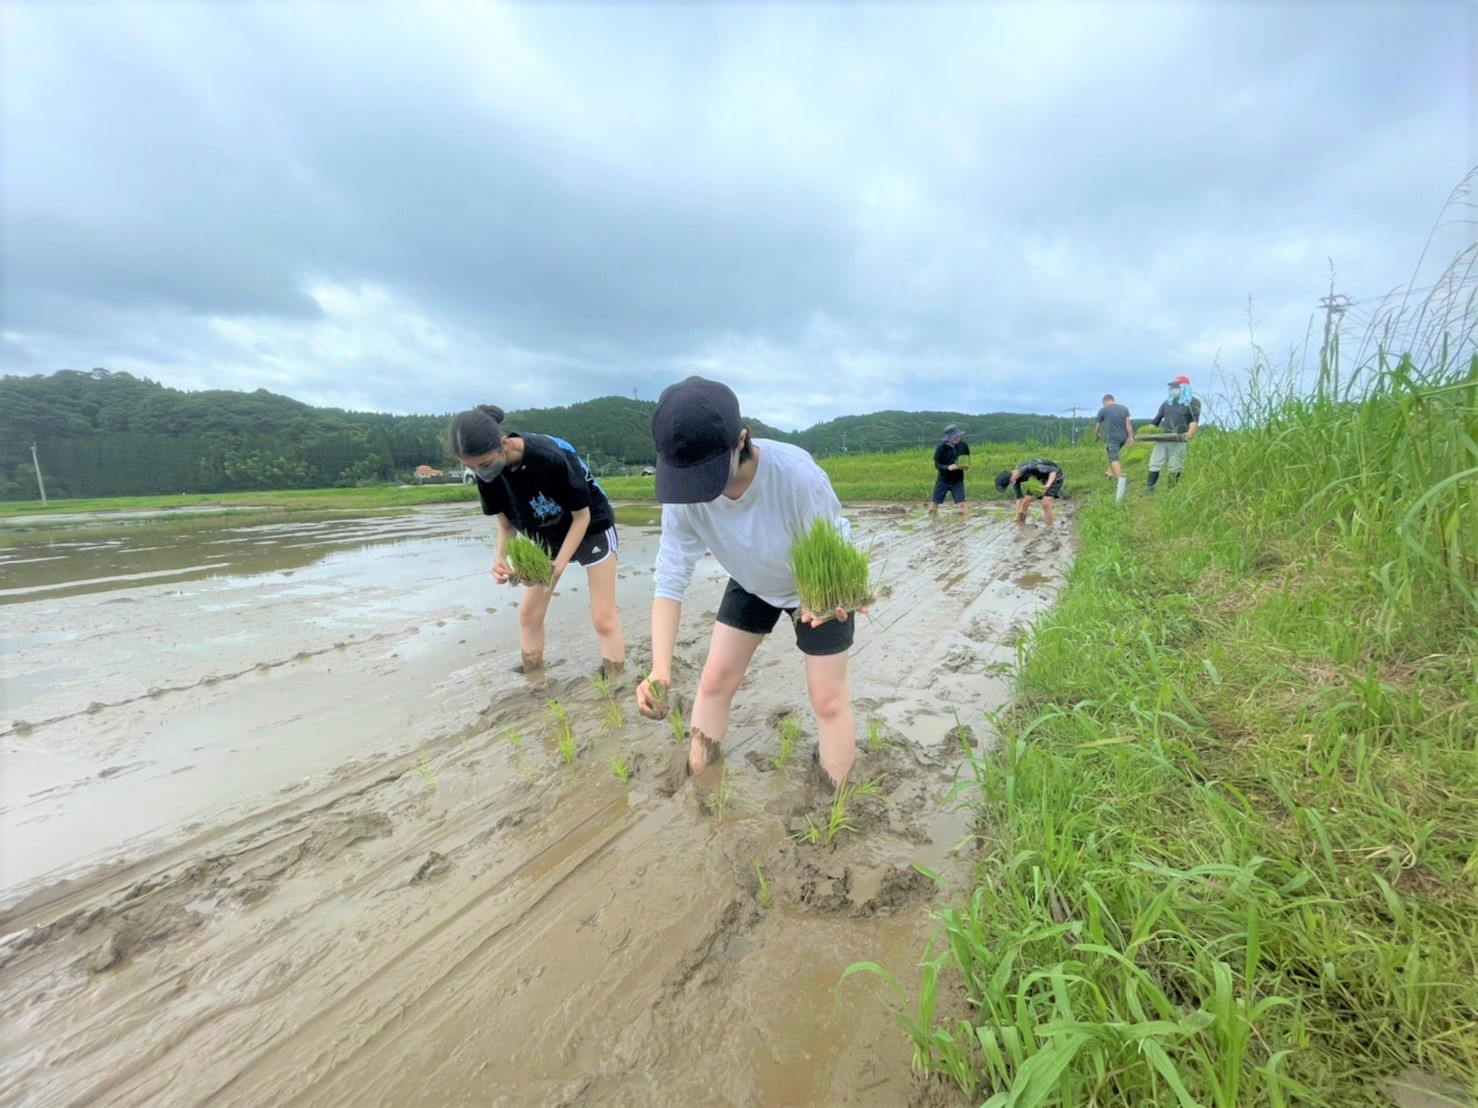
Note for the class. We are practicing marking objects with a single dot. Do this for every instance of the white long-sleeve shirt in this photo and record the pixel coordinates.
(750, 536)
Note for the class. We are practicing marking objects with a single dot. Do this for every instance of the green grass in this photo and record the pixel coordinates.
(1229, 840)
(530, 561)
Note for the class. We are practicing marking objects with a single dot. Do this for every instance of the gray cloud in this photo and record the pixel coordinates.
(998, 207)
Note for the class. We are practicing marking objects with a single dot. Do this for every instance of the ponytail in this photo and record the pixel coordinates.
(476, 432)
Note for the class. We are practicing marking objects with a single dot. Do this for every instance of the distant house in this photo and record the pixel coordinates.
(424, 473)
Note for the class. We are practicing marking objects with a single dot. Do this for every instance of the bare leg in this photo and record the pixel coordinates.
(729, 654)
(531, 613)
(1021, 506)
(603, 615)
(826, 681)
(1047, 502)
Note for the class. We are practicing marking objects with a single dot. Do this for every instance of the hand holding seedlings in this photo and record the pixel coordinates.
(831, 575)
(651, 697)
(529, 563)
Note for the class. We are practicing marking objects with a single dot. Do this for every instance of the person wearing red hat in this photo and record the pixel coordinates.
(1180, 414)
(744, 500)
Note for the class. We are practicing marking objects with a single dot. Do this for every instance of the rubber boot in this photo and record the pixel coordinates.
(1154, 476)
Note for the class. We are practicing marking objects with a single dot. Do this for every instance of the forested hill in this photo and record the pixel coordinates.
(112, 434)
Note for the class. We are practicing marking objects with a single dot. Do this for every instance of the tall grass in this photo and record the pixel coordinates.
(1229, 838)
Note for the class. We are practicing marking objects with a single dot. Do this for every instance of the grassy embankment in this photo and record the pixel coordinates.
(908, 475)
(1228, 845)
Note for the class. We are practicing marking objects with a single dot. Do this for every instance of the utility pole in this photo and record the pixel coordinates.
(1329, 355)
(40, 484)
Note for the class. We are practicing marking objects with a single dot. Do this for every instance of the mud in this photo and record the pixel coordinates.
(269, 838)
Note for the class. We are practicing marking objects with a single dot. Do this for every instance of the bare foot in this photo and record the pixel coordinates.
(529, 664)
(702, 751)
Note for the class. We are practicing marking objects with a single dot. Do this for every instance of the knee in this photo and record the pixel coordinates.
(530, 616)
(719, 681)
(605, 620)
(828, 701)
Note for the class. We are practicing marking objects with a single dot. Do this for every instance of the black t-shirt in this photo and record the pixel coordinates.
(945, 456)
(1178, 417)
(540, 493)
(1038, 469)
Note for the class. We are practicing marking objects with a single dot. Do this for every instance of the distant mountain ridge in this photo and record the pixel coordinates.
(99, 433)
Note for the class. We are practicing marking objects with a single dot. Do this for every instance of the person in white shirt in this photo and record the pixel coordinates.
(744, 500)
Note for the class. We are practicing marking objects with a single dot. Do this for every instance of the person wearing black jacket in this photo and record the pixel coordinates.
(1180, 414)
(949, 471)
(538, 486)
(1038, 469)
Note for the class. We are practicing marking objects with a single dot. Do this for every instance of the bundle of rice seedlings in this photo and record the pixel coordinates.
(530, 561)
(830, 572)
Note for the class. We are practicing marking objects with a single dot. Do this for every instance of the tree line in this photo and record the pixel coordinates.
(99, 433)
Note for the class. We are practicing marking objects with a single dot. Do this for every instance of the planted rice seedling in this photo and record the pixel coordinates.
(676, 726)
(515, 738)
(721, 795)
(557, 711)
(875, 739)
(790, 733)
(565, 740)
(621, 767)
(423, 767)
(612, 717)
(530, 561)
(830, 573)
(602, 685)
(837, 819)
(764, 893)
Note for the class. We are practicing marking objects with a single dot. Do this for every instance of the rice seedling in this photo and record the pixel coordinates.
(525, 768)
(515, 738)
(423, 767)
(612, 717)
(790, 733)
(837, 819)
(875, 740)
(721, 795)
(564, 739)
(557, 711)
(810, 833)
(764, 892)
(621, 767)
(676, 726)
(530, 561)
(602, 685)
(830, 573)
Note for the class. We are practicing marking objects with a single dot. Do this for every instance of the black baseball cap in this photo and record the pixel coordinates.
(696, 426)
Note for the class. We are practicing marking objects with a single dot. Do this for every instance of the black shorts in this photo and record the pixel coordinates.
(596, 547)
(953, 489)
(1050, 494)
(744, 611)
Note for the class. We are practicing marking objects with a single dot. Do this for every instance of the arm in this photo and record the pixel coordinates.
(1051, 480)
(1129, 429)
(678, 551)
(939, 463)
(651, 694)
(579, 524)
(1097, 426)
(501, 570)
(1159, 417)
(1195, 422)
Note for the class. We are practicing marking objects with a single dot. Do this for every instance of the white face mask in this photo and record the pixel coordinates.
(491, 470)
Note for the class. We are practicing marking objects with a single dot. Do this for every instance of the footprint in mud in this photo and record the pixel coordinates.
(435, 865)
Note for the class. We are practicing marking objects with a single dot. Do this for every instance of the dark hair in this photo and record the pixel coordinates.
(1108, 398)
(476, 432)
(1003, 479)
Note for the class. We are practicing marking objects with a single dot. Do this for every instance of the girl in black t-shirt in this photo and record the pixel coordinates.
(538, 485)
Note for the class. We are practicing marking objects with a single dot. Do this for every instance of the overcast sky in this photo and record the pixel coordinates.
(834, 209)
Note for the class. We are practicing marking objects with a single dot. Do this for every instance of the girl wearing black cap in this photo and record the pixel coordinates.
(743, 500)
(539, 486)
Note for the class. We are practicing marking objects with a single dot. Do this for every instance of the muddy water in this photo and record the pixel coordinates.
(268, 819)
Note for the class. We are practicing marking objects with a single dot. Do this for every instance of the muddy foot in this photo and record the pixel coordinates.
(700, 753)
(530, 665)
(819, 777)
(613, 672)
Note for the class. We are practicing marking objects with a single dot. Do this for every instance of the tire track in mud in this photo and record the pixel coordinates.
(575, 929)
